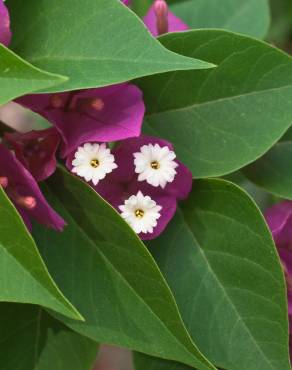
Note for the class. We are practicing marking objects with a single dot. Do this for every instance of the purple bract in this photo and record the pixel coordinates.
(5, 33)
(36, 150)
(105, 114)
(24, 192)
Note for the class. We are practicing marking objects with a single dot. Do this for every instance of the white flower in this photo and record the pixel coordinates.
(93, 162)
(155, 164)
(141, 213)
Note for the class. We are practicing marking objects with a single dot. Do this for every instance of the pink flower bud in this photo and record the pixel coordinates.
(27, 202)
(4, 182)
(161, 12)
(97, 104)
(56, 101)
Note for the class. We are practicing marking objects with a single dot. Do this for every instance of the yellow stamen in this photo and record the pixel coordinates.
(94, 163)
(155, 165)
(139, 213)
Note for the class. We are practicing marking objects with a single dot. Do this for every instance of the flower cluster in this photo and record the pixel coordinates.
(279, 219)
(140, 177)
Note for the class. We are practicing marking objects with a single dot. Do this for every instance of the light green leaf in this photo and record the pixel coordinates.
(18, 77)
(23, 276)
(105, 44)
(220, 261)
(251, 17)
(222, 119)
(107, 272)
(32, 340)
(273, 172)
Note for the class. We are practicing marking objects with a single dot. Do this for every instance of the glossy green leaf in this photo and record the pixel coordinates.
(144, 362)
(272, 172)
(251, 17)
(222, 119)
(220, 261)
(23, 276)
(107, 272)
(17, 77)
(32, 340)
(108, 44)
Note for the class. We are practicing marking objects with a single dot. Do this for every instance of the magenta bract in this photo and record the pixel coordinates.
(279, 219)
(103, 115)
(36, 150)
(24, 192)
(5, 33)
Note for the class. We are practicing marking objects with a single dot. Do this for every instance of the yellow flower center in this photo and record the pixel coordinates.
(155, 165)
(94, 163)
(139, 213)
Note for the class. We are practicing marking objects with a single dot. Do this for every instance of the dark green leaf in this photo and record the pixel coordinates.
(95, 43)
(32, 340)
(17, 77)
(272, 172)
(225, 118)
(23, 275)
(220, 261)
(108, 273)
(251, 17)
(141, 7)
(144, 362)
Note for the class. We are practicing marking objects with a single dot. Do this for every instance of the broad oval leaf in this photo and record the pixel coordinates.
(108, 44)
(32, 340)
(107, 272)
(24, 277)
(272, 172)
(222, 119)
(220, 261)
(251, 17)
(18, 77)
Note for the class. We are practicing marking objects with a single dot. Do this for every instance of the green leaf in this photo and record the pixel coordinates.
(107, 272)
(272, 172)
(141, 7)
(220, 261)
(106, 43)
(251, 17)
(32, 340)
(281, 26)
(23, 275)
(222, 119)
(18, 77)
(144, 362)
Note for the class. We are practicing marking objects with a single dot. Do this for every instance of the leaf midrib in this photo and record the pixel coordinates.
(72, 59)
(220, 100)
(108, 262)
(221, 286)
(94, 246)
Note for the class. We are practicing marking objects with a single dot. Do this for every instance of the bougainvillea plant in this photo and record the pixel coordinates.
(146, 184)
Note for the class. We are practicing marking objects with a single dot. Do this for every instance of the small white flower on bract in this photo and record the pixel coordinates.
(155, 164)
(141, 212)
(93, 162)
